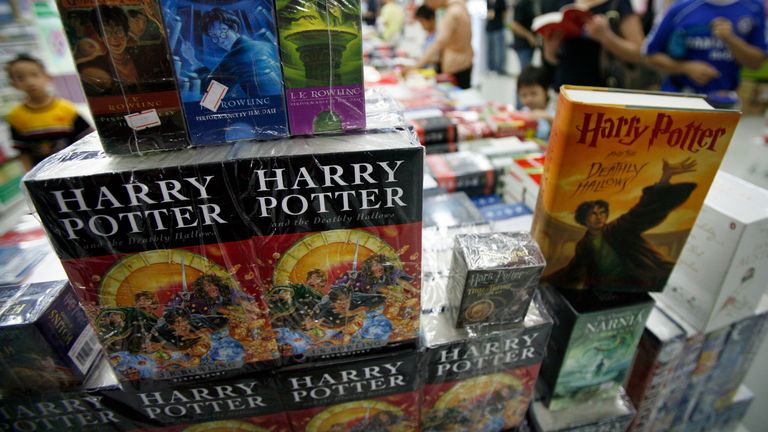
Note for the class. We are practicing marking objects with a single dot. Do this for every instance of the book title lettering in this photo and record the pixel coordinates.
(202, 400)
(347, 382)
(488, 354)
(137, 196)
(627, 130)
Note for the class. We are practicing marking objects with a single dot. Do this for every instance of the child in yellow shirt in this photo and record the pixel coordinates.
(44, 123)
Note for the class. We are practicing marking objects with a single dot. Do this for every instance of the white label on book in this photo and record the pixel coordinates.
(214, 95)
(85, 349)
(143, 120)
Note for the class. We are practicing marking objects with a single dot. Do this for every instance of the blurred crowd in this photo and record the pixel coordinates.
(691, 46)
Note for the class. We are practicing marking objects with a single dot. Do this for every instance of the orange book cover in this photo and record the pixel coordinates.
(625, 176)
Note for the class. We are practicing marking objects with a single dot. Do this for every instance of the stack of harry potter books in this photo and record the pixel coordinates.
(169, 74)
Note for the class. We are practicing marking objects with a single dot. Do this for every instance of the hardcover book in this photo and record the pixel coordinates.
(47, 343)
(493, 277)
(480, 381)
(175, 254)
(592, 347)
(623, 184)
(321, 51)
(370, 393)
(120, 50)
(227, 68)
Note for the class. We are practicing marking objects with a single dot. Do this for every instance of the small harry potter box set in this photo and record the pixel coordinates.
(493, 277)
(46, 342)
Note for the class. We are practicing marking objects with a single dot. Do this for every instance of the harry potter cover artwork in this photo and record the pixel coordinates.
(623, 184)
(343, 290)
(120, 51)
(228, 69)
(322, 56)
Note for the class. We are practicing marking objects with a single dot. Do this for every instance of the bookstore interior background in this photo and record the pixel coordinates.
(327, 215)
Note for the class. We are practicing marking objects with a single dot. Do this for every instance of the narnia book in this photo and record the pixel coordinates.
(371, 393)
(176, 256)
(322, 56)
(480, 381)
(591, 349)
(623, 184)
(120, 51)
(227, 68)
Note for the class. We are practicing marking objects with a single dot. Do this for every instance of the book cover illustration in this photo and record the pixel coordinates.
(175, 313)
(623, 185)
(494, 276)
(492, 402)
(375, 393)
(227, 68)
(343, 290)
(321, 52)
(599, 355)
(120, 51)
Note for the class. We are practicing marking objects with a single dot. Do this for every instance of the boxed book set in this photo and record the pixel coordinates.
(174, 73)
(211, 259)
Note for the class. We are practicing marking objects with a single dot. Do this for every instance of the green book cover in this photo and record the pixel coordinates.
(321, 52)
(599, 354)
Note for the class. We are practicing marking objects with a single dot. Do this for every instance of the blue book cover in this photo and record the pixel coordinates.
(228, 69)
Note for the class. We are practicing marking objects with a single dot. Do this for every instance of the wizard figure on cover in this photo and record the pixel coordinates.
(614, 256)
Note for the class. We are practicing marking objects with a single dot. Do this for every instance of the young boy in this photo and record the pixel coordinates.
(44, 123)
(532, 93)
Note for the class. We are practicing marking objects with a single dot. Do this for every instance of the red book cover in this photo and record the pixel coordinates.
(122, 57)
